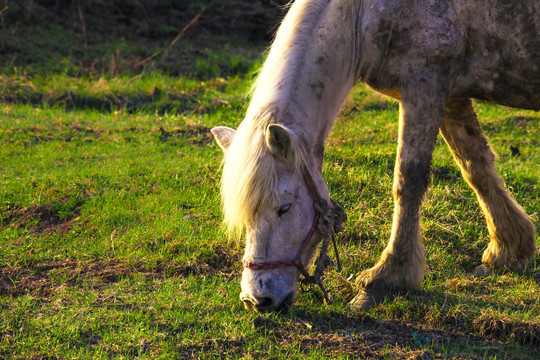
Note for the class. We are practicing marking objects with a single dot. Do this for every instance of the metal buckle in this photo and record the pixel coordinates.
(305, 286)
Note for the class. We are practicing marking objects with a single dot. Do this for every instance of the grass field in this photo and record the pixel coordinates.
(111, 243)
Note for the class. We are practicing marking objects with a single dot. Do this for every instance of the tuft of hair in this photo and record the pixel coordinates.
(249, 179)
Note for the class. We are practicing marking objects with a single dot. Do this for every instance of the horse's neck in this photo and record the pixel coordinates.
(311, 67)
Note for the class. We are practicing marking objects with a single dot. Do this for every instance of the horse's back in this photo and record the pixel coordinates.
(489, 49)
(501, 59)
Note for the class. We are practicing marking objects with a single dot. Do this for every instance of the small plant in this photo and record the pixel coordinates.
(420, 340)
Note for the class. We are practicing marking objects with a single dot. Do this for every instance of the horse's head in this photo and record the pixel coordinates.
(270, 191)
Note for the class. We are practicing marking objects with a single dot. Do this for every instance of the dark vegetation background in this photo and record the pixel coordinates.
(115, 36)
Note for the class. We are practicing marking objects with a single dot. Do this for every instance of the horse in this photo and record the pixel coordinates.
(433, 57)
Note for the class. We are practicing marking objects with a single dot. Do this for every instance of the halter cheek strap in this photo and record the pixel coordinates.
(328, 221)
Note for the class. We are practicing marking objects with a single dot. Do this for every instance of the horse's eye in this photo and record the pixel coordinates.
(284, 208)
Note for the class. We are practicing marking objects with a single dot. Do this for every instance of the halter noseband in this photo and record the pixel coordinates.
(328, 221)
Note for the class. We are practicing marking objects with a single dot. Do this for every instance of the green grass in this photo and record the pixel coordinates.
(111, 243)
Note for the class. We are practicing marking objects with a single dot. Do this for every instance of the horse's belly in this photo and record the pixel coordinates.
(516, 85)
(514, 96)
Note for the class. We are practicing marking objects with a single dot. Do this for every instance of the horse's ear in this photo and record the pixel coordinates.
(224, 136)
(279, 141)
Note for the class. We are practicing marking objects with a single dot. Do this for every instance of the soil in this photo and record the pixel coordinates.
(41, 279)
(194, 134)
(41, 220)
(359, 335)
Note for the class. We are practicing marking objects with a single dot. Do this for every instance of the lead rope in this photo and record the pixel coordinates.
(330, 223)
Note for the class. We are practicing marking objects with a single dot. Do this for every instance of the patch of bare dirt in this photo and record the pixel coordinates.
(215, 348)
(151, 19)
(362, 337)
(359, 338)
(44, 219)
(507, 328)
(194, 134)
(42, 279)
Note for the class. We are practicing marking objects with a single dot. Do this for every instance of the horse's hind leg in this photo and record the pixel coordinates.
(512, 233)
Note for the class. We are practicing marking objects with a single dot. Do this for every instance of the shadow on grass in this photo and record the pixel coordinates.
(476, 320)
(155, 101)
(359, 333)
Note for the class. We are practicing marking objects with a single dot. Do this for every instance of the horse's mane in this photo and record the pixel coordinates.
(249, 172)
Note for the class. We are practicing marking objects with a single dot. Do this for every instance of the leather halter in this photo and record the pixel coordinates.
(334, 216)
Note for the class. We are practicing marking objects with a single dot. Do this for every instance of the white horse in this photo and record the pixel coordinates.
(432, 56)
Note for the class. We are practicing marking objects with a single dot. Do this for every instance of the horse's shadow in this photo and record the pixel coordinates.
(454, 324)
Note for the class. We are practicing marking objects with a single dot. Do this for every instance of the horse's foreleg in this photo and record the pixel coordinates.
(512, 233)
(401, 265)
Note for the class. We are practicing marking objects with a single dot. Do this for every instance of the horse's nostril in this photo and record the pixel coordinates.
(264, 303)
(258, 303)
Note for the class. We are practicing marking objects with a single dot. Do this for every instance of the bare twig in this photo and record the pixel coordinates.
(83, 25)
(304, 322)
(180, 34)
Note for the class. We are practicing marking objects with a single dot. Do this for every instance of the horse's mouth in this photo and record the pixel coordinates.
(267, 303)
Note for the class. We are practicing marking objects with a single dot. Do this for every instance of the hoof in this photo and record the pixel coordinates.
(366, 299)
(482, 271)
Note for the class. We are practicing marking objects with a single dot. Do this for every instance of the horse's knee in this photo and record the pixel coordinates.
(411, 180)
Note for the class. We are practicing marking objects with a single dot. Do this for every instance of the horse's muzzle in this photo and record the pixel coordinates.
(268, 302)
(268, 290)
